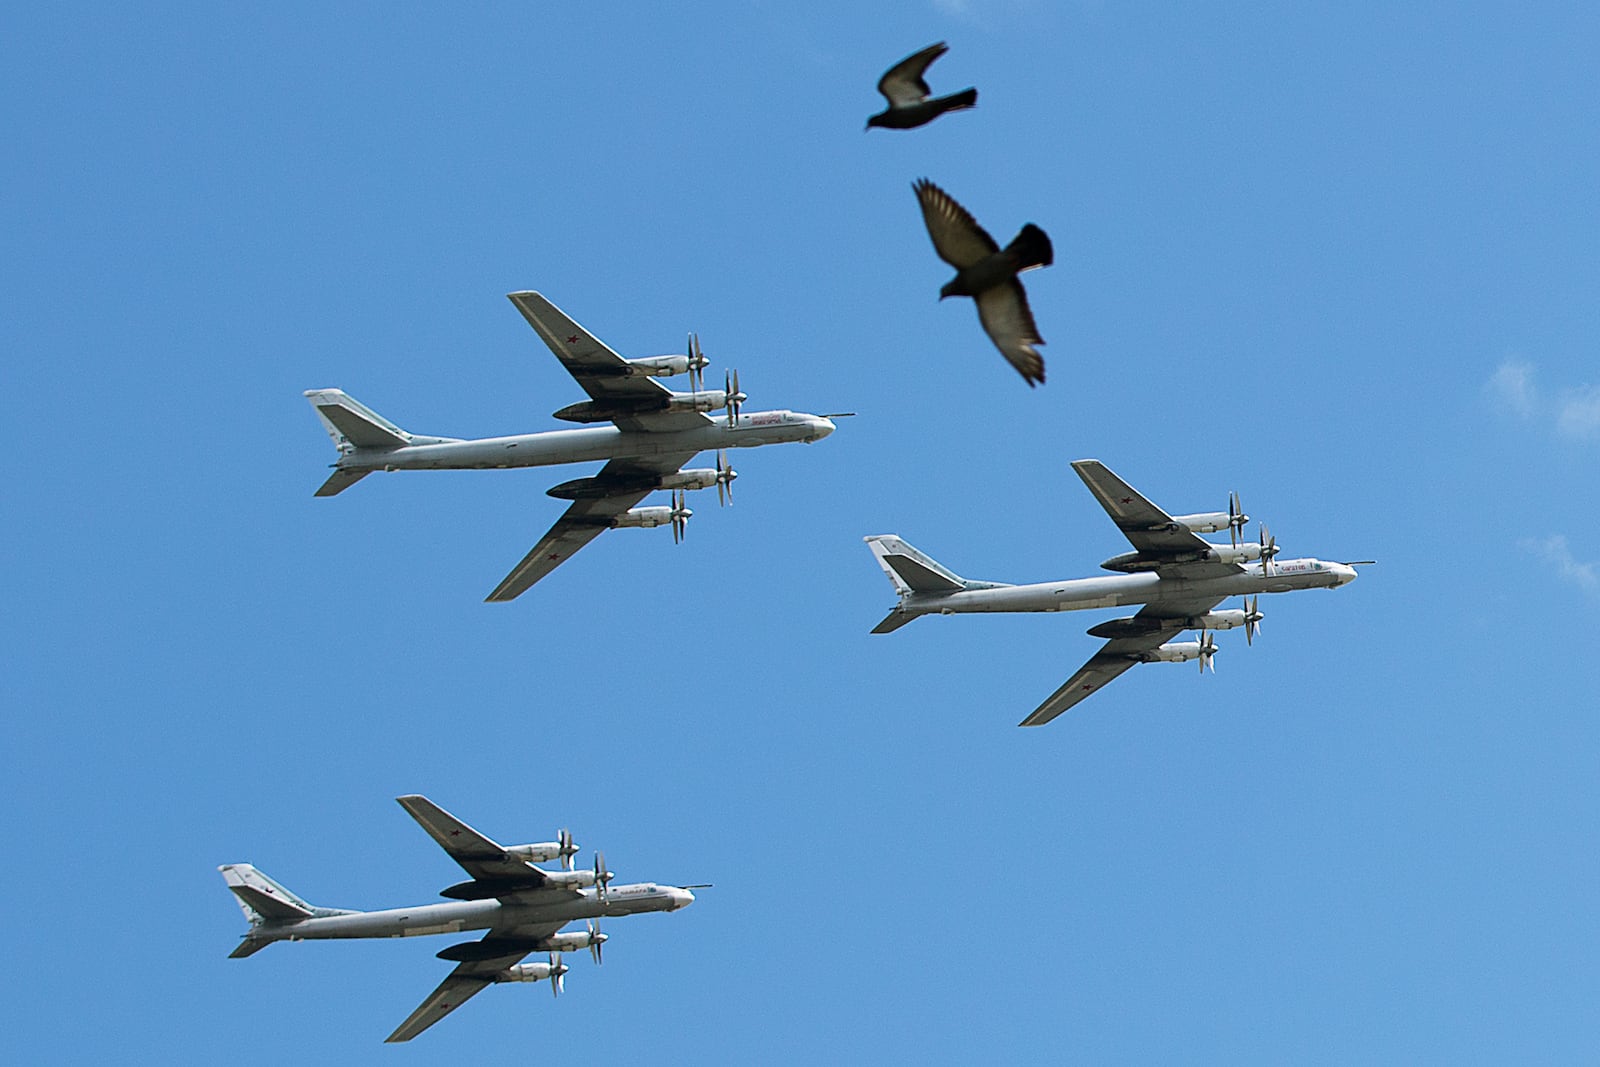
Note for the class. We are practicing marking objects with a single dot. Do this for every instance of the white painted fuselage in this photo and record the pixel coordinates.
(457, 916)
(587, 444)
(1118, 590)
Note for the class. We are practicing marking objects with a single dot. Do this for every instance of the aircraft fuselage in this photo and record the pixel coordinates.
(1078, 594)
(456, 916)
(587, 444)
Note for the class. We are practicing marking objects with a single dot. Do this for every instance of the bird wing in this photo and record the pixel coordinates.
(956, 235)
(902, 84)
(1003, 310)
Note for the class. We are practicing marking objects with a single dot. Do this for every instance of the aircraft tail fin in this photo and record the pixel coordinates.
(919, 579)
(261, 899)
(911, 571)
(350, 422)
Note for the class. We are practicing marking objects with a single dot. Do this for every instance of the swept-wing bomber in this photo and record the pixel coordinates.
(522, 907)
(1179, 578)
(651, 433)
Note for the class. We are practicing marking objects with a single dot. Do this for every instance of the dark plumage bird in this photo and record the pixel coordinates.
(988, 273)
(907, 93)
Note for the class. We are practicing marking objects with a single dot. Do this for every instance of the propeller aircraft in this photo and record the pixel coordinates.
(653, 432)
(522, 907)
(1178, 577)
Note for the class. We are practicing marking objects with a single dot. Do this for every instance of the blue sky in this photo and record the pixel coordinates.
(1338, 258)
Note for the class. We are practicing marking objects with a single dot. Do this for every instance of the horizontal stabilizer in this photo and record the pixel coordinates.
(893, 621)
(249, 946)
(339, 481)
(348, 420)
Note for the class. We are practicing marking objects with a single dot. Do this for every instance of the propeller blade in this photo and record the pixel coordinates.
(567, 849)
(725, 477)
(557, 969)
(601, 875)
(697, 364)
(1252, 618)
(1236, 518)
(680, 516)
(596, 939)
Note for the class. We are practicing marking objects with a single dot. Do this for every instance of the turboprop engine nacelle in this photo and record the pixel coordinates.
(694, 478)
(1204, 522)
(531, 972)
(648, 518)
(657, 366)
(1216, 620)
(570, 942)
(595, 487)
(1133, 562)
(606, 410)
(538, 852)
(704, 400)
(1172, 652)
(569, 879)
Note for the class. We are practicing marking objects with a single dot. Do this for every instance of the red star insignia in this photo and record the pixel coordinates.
(1086, 685)
(554, 555)
(572, 340)
(1127, 500)
(455, 833)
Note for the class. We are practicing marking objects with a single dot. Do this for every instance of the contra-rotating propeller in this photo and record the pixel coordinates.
(725, 477)
(697, 364)
(602, 877)
(680, 516)
(1252, 618)
(735, 398)
(1269, 549)
(557, 969)
(1236, 519)
(567, 848)
(1208, 649)
(596, 939)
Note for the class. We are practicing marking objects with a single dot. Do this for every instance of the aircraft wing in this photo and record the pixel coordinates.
(1149, 629)
(1151, 531)
(588, 518)
(601, 372)
(468, 980)
(480, 857)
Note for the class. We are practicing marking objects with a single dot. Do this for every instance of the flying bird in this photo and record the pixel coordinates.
(988, 273)
(907, 93)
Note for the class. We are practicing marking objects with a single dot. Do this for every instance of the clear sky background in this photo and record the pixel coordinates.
(1339, 258)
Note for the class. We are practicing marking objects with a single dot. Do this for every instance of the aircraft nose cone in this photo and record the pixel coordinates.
(683, 899)
(1347, 574)
(823, 428)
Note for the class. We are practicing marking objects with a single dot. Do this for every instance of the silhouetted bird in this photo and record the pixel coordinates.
(907, 93)
(988, 274)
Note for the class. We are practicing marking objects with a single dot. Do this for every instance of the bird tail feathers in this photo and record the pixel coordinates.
(965, 98)
(1031, 248)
